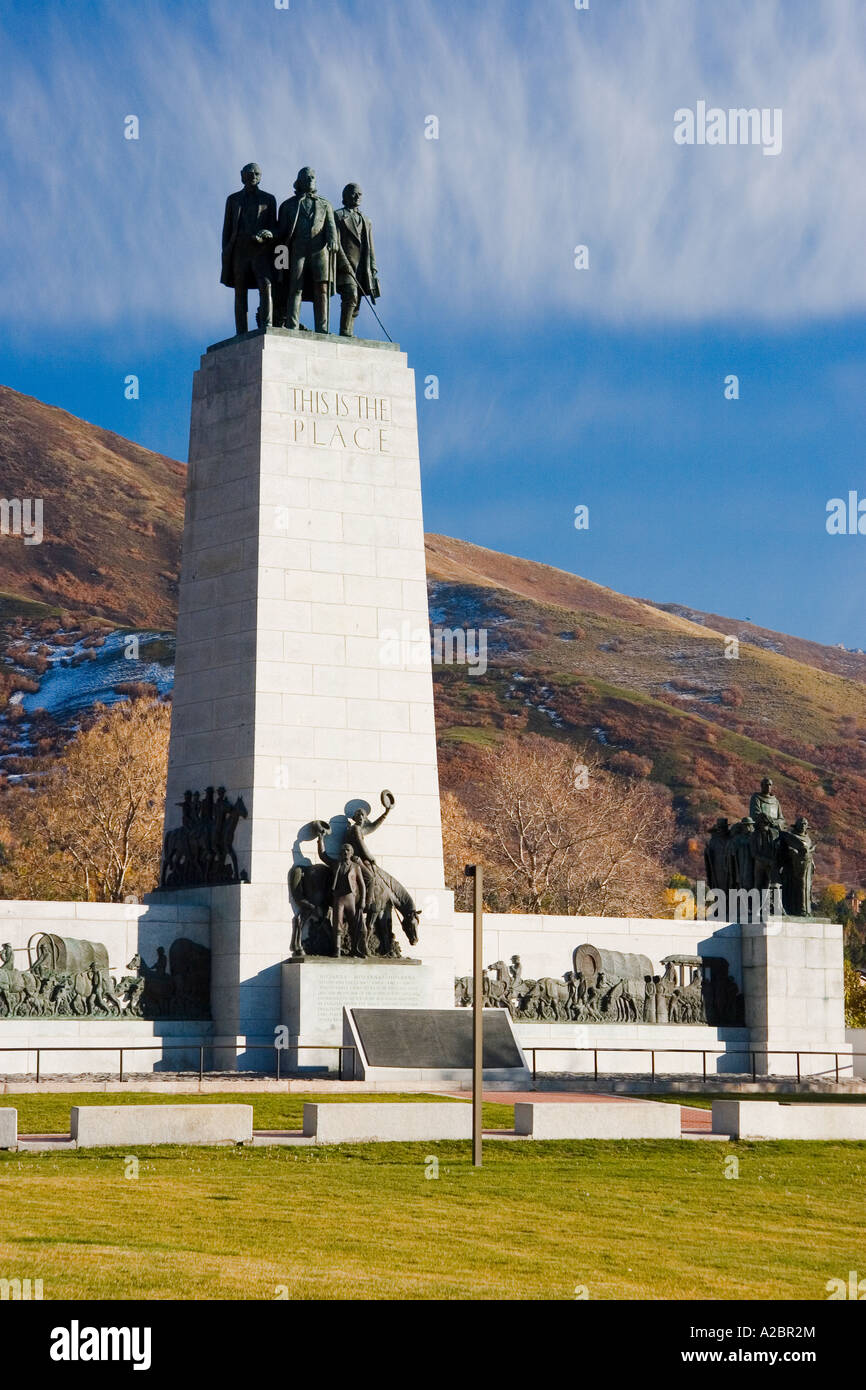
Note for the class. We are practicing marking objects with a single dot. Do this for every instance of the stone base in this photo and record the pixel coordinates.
(625, 1048)
(799, 1052)
(107, 1126)
(8, 1128)
(756, 1119)
(631, 1119)
(84, 1046)
(316, 990)
(856, 1037)
(369, 1123)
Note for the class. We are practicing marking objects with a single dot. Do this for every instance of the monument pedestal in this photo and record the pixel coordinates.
(303, 680)
(793, 990)
(316, 990)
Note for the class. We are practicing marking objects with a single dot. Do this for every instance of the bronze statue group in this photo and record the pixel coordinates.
(304, 252)
(760, 853)
(70, 978)
(200, 850)
(692, 989)
(345, 904)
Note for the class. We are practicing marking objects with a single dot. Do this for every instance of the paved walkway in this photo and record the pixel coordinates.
(550, 1097)
(696, 1122)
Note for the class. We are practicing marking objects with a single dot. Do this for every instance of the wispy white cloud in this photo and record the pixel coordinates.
(556, 128)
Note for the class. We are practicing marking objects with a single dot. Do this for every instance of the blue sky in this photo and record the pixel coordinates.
(558, 386)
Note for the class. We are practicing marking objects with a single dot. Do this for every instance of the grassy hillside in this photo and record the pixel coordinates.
(655, 692)
(113, 514)
(649, 685)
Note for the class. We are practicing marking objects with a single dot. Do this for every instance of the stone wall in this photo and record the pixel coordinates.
(857, 1038)
(789, 971)
(623, 1048)
(126, 929)
(545, 944)
(82, 1046)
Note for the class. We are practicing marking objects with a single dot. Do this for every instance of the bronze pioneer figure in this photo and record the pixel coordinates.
(760, 856)
(798, 857)
(249, 226)
(356, 259)
(345, 905)
(305, 254)
(201, 849)
(717, 856)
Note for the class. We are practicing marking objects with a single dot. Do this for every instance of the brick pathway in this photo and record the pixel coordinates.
(546, 1097)
(696, 1120)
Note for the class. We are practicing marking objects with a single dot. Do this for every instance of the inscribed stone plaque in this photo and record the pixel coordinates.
(382, 986)
(315, 992)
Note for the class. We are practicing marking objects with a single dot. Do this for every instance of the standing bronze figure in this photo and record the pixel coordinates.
(249, 226)
(717, 858)
(348, 899)
(799, 862)
(356, 259)
(306, 250)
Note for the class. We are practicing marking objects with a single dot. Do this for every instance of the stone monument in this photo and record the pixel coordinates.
(303, 679)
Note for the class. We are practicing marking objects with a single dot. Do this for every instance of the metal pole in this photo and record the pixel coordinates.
(476, 873)
(121, 1063)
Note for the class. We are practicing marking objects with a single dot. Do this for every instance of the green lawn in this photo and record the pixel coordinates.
(47, 1112)
(646, 1220)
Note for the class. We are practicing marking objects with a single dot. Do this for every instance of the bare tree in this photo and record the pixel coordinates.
(464, 841)
(561, 834)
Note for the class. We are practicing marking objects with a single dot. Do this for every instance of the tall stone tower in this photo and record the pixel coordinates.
(303, 677)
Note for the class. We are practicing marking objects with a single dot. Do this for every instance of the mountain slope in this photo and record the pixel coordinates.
(649, 685)
(840, 660)
(112, 518)
(655, 692)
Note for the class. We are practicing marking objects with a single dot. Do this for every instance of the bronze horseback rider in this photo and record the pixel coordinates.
(332, 915)
(200, 850)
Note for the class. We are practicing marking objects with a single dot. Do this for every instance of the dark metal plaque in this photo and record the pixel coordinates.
(436, 1038)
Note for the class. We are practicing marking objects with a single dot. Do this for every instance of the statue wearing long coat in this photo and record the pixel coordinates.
(312, 239)
(266, 216)
(356, 260)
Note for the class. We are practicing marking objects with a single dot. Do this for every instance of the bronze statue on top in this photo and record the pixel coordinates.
(759, 853)
(305, 255)
(249, 226)
(356, 259)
